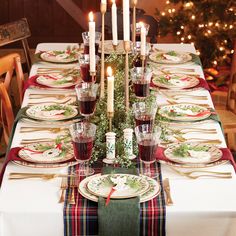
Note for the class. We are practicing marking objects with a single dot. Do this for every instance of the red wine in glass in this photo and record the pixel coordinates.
(87, 105)
(137, 61)
(85, 73)
(83, 147)
(86, 48)
(141, 88)
(143, 119)
(138, 37)
(147, 149)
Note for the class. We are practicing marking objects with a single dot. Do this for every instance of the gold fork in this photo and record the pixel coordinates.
(64, 186)
(30, 129)
(198, 140)
(72, 186)
(206, 173)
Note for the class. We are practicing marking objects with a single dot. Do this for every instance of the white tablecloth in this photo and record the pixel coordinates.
(202, 207)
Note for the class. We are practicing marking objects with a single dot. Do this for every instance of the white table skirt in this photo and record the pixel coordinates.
(202, 207)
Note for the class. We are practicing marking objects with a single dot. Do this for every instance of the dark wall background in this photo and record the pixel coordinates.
(48, 21)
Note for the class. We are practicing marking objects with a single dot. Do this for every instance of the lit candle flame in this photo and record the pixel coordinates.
(91, 16)
(109, 71)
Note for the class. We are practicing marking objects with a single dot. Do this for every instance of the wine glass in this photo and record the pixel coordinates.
(138, 30)
(136, 50)
(85, 36)
(144, 113)
(141, 78)
(87, 97)
(85, 68)
(148, 138)
(83, 135)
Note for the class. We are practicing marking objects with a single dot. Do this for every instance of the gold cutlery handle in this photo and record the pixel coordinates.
(169, 200)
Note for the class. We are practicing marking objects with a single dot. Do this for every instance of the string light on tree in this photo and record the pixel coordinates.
(190, 22)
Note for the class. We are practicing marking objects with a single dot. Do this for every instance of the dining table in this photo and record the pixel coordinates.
(203, 206)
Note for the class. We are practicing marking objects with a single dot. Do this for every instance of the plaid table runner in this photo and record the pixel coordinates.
(82, 218)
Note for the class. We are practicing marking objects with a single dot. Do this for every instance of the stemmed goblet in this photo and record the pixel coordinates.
(148, 138)
(83, 135)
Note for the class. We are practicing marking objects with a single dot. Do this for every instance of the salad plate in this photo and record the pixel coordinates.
(51, 112)
(184, 112)
(46, 152)
(59, 80)
(170, 57)
(152, 192)
(69, 55)
(193, 153)
(175, 81)
(125, 185)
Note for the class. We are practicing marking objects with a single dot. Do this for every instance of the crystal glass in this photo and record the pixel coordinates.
(144, 113)
(85, 36)
(141, 78)
(136, 50)
(87, 97)
(138, 30)
(148, 138)
(83, 135)
(85, 68)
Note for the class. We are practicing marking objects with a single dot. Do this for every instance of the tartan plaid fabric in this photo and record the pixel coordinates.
(82, 219)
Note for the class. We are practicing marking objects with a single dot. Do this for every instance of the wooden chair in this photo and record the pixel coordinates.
(17, 31)
(9, 64)
(7, 116)
(228, 115)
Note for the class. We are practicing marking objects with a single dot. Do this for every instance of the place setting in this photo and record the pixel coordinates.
(54, 78)
(67, 56)
(196, 156)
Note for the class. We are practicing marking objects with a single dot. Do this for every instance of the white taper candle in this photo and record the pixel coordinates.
(143, 40)
(110, 90)
(92, 43)
(126, 20)
(114, 22)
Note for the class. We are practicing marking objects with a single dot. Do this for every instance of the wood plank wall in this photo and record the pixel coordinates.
(48, 21)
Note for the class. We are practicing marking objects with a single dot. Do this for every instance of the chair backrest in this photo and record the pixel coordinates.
(231, 99)
(9, 64)
(7, 116)
(17, 31)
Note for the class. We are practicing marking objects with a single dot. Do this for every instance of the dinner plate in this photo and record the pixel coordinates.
(45, 166)
(51, 112)
(46, 152)
(62, 56)
(59, 80)
(184, 112)
(175, 81)
(152, 192)
(193, 153)
(128, 185)
(216, 163)
(170, 57)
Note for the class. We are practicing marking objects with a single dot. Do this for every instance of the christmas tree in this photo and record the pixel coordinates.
(208, 24)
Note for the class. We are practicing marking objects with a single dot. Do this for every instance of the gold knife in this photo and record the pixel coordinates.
(166, 186)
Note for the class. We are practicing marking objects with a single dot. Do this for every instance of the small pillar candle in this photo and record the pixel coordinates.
(128, 143)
